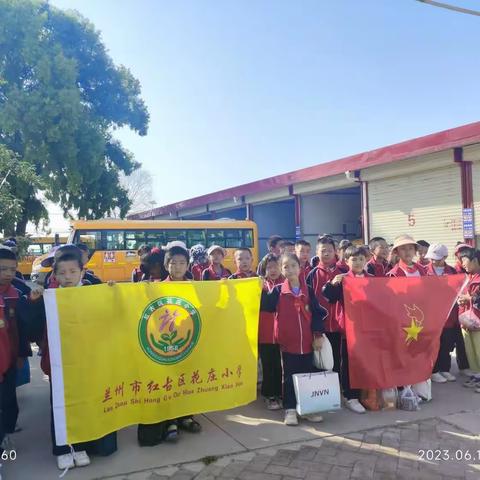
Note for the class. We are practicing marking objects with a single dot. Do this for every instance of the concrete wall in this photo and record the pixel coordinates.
(277, 218)
(335, 213)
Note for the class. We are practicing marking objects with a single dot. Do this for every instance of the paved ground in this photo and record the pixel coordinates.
(251, 443)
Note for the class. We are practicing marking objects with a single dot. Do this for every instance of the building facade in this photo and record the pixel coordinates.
(428, 187)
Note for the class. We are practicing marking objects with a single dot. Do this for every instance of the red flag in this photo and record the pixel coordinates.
(393, 327)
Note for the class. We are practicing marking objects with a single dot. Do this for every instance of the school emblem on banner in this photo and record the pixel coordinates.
(169, 330)
(146, 352)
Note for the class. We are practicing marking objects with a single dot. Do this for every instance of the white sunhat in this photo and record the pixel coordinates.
(213, 248)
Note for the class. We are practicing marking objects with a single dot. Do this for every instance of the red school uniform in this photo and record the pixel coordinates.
(473, 289)
(377, 268)
(197, 270)
(401, 269)
(334, 293)
(305, 270)
(298, 317)
(317, 278)
(210, 273)
(266, 323)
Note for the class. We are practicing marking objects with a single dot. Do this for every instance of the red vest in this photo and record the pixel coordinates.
(322, 275)
(266, 323)
(293, 320)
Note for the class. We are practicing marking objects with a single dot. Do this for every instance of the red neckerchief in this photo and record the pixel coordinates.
(355, 275)
(297, 299)
(214, 275)
(272, 283)
(406, 268)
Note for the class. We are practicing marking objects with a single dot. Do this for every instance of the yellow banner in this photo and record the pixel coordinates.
(147, 352)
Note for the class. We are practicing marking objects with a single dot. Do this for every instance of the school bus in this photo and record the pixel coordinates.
(114, 243)
(39, 246)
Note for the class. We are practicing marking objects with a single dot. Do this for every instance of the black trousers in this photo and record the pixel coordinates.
(447, 344)
(272, 370)
(293, 363)
(462, 360)
(335, 339)
(9, 401)
(348, 392)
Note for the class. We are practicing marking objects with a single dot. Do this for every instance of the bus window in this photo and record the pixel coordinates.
(134, 238)
(215, 237)
(34, 249)
(194, 237)
(47, 247)
(233, 238)
(91, 239)
(155, 238)
(114, 240)
(172, 235)
(248, 238)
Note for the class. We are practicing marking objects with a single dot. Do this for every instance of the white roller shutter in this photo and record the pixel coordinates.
(426, 205)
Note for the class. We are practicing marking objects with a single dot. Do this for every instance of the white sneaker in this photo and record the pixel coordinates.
(448, 376)
(355, 406)
(65, 462)
(313, 417)
(466, 372)
(438, 378)
(291, 417)
(81, 458)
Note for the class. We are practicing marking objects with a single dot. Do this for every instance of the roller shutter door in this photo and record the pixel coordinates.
(426, 205)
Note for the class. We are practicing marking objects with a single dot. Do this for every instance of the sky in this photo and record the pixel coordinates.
(242, 90)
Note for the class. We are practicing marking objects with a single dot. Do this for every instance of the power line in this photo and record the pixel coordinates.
(451, 7)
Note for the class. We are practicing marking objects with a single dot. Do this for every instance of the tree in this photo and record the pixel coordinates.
(139, 187)
(12, 171)
(61, 97)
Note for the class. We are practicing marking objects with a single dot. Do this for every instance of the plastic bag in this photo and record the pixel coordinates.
(408, 400)
(323, 358)
(469, 320)
(390, 398)
(423, 390)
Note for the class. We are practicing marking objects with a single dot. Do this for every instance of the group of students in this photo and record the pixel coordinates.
(301, 304)
(303, 299)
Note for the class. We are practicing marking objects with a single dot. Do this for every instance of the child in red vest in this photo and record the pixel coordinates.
(216, 271)
(303, 250)
(356, 259)
(471, 301)
(325, 271)
(405, 248)
(422, 249)
(137, 273)
(437, 254)
(298, 329)
(243, 261)
(152, 266)
(14, 347)
(268, 349)
(198, 261)
(342, 247)
(378, 265)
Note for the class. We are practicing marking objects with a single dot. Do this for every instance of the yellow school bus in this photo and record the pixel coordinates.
(114, 243)
(38, 247)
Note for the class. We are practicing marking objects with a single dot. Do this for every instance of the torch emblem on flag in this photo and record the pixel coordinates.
(416, 317)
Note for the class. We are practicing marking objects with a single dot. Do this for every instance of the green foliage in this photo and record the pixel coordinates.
(61, 96)
(13, 172)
